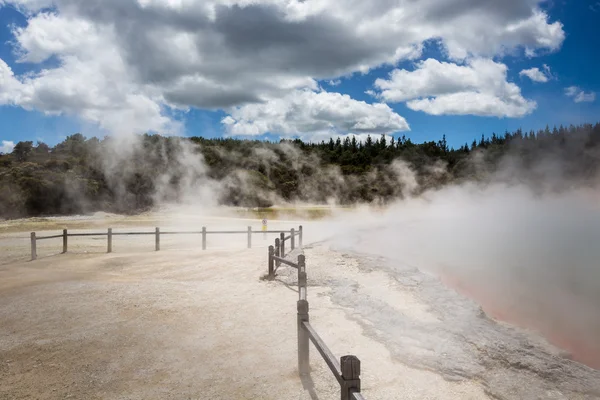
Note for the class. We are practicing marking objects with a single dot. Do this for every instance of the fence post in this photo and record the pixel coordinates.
(203, 238)
(65, 236)
(277, 251)
(33, 246)
(157, 238)
(293, 239)
(300, 236)
(109, 245)
(282, 242)
(350, 366)
(249, 237)
(301, 271)
(271, 269)
(303, 339)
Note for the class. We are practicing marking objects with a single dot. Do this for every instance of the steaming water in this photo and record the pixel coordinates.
(461, 342)
(527, 260)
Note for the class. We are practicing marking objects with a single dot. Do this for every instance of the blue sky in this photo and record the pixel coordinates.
(29, 110)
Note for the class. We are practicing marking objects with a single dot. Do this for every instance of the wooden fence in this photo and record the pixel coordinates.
(157, 234)
(347, 370)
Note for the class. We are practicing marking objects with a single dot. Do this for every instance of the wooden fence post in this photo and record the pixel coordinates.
(203, 238)
(282, 243)
(33, 246)
(249, 237)
(157, 238)
(271, 269)
(109, 243)
(293, 240)
(65, 236)
(350, 366)
(301, 271)
(303, 339)
(300, 236)
(277, 251)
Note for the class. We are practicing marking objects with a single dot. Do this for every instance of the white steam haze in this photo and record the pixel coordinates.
(525, 250)
(529, 257)
(527, 254)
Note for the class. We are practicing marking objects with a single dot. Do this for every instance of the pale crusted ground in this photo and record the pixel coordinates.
(184, 323)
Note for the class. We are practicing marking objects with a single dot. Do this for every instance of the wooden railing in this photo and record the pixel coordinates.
(347, 370)
(157, 234)
(277, 252)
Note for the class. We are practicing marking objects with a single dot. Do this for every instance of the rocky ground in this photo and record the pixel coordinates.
(184, 323)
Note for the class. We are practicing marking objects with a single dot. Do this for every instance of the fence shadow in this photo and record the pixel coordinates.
(309, 385)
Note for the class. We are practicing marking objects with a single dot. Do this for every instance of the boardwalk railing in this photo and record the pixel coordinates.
(157, 234)
(347, 369)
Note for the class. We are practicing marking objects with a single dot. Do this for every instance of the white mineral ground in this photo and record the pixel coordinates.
(183, 323)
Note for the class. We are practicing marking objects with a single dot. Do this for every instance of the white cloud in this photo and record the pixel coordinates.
(477, 88)
(313, 115)
(579, 96)
(84, 89)
(124, 63)
(7, 147)
(534, 74)
(473, 103)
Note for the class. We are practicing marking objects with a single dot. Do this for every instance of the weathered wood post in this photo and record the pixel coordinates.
(33, 246)
(249, 237)
(302, 306)
(157, 238)
(203, 238)
(282, 243)
(302, 279)
(65, 236)
(303, 345)
(271, 259)
(293, 239)
(109, 242)
(300, 236)
(350, 366)
(277, 251)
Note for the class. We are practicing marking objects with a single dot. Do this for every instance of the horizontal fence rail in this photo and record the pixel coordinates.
(49, 237)
(322, 348)
(157, 233)
(347, 370)
(286, 262)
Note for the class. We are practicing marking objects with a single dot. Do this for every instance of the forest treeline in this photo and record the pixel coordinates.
(82, 175)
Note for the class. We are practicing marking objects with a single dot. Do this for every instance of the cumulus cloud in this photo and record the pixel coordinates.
(476, 88)
(7, 147)
(534, 74)
(579, 96)
(128, 63)
(322, 114)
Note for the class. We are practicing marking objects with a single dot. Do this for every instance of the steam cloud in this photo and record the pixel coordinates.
(522, 241)
(527, 253)
(520, 237)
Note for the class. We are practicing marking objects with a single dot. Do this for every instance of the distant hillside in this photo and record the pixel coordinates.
(84, 175)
